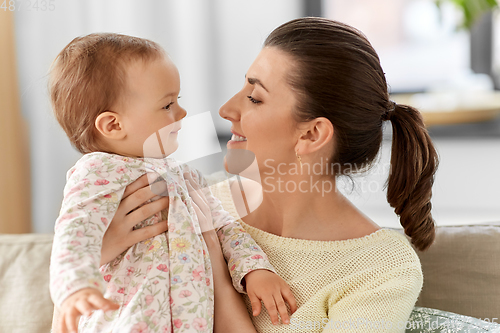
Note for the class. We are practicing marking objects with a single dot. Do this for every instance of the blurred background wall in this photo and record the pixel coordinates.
(213, 42)
(15, 191)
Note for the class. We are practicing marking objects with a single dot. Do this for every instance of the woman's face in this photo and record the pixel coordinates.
(261, 112)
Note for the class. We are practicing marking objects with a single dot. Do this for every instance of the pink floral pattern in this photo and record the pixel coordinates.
(163, 284)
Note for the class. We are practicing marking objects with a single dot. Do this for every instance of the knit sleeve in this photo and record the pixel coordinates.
(382, 306)
(92, 194)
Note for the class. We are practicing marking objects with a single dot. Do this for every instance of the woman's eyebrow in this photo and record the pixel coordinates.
(253, 81)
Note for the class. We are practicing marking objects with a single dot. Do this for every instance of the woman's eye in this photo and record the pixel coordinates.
(167, 107)
(253, 100)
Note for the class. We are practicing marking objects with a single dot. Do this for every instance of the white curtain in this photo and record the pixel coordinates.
(212, 43)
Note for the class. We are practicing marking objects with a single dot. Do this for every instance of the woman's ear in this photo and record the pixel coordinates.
(316, 134)
(109, 125)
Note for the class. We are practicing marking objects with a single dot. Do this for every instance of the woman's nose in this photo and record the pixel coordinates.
(230, 110)
(181, 114)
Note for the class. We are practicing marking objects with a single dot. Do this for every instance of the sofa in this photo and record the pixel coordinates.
(461, 291)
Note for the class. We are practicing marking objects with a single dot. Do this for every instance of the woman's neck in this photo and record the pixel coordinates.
(305, 207)
(314, 211)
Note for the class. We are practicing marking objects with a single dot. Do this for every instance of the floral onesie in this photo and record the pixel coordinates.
(163, 284)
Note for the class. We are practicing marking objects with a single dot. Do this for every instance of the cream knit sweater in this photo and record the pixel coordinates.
(367, 284)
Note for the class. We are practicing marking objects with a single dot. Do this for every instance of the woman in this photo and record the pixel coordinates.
(316, 95)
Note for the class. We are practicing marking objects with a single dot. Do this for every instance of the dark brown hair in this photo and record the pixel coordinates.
(338, 76)
(87, 78)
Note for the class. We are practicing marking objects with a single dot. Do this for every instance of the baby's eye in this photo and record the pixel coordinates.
(167, 107)
(253, 100)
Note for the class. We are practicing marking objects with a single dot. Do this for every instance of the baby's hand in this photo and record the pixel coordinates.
(83, 302)
(267, 286)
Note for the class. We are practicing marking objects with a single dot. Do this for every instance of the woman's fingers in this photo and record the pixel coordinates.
(200, 204)
(132, 210)
(134, 200)
(146, 211)
(137, 184)
(120, 234)
(202, 218)
(139, 192)
(205, 208)
(144, 233)
(197, 194)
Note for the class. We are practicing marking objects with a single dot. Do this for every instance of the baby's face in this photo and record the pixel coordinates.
(149, 108)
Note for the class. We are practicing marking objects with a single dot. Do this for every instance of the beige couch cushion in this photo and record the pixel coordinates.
(462, 271)
(461, 275)
(24, 271)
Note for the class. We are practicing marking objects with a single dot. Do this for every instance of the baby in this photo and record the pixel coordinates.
(116, 97)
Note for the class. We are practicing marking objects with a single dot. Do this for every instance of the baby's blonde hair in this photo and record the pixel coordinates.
(87, 78)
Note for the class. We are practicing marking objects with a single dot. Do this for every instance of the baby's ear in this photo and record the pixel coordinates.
(109, 125)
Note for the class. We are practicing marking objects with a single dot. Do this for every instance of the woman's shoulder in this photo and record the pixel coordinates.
(390, 244)
(386, 252)
(391, 253)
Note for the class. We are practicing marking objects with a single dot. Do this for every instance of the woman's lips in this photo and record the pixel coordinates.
(238, 134)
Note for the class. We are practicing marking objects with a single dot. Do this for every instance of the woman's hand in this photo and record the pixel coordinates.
(120, 234)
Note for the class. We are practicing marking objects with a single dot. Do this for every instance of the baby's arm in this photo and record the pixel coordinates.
(248, 264)
(90, 200)
(240, 250)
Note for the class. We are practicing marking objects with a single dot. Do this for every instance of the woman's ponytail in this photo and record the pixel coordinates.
(414, 162)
